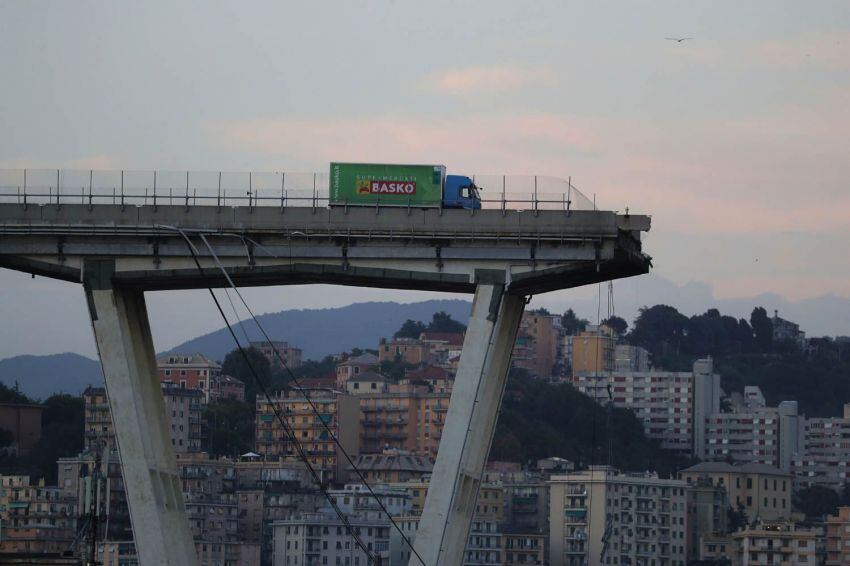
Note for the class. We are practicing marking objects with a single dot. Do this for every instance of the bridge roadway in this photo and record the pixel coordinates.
(118, 252)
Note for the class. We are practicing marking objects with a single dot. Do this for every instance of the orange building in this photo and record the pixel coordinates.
(341, 414)
(543, 330)
(838, 538)
(411, 421)
(408, 350)
(593, 350)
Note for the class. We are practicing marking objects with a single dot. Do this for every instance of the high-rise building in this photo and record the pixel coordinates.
(544, 332)
(593, 351)
(412, 421)
(767, 435)
(602, 516)
(338, 416)
(99, 432)
(673, 406)
(825, 455)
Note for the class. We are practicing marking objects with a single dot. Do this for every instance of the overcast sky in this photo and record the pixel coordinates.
(736, 141)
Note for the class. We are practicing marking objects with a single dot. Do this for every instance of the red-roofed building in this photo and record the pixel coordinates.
(439, 379)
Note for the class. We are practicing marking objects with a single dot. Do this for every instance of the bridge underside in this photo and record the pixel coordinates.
(119, 253)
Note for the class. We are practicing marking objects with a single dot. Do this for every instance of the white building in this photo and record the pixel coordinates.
(767, 435)
(825, 457)
(319, 539)
(602, 516)
(672, 405)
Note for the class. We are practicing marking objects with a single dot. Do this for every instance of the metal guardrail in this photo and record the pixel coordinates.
(251, 189)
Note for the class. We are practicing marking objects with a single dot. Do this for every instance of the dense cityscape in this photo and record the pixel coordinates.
(735, 476)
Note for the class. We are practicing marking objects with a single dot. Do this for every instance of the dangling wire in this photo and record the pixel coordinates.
(298, 386)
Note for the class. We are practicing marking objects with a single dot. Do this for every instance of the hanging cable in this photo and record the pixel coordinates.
(303, 392)
(287, 429)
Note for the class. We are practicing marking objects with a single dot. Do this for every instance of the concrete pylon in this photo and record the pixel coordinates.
(154, 495)
(470, 423)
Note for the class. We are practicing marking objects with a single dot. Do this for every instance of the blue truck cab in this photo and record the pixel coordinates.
(460, 191)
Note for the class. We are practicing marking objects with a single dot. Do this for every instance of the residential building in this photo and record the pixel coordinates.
(183, 409)
(36, 519)
(393, 466)
(23, 420)
(785, 330)
(443, 348)
(357, 500)
(98, 420)
(323, 539)
(825, 455)
(602, 516)
(408, 350)
(673, 406)
(628, 358)
(226, 387)
(544, 331)
(762, 491)
(521, 548)
(189, 371)
(411, 421)
(526, 505)
(767, 435)
(367, 383)
(439, 380)
(593, 351)
(276, 350)
(338, 416)
(352, 366)
(708, 506)
(838, 538)
(774, 543)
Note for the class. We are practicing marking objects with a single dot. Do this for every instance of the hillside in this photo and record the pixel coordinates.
(39, 377)
(319, 332)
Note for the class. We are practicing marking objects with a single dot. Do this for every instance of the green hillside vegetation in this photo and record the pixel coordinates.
(539, 419)
(818, 377)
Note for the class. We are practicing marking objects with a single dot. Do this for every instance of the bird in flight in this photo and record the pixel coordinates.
(678, 39)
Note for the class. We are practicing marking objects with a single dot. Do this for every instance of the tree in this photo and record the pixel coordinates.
(817, 501)
(235, 365)
(9, 395)
(616, 324)
(762, 330)
(443, 322)
(736, 518)
(572, 324)
(231, 427)
(410, 329)
(62, 429)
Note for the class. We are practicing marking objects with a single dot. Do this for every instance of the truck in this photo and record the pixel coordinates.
(419, 186)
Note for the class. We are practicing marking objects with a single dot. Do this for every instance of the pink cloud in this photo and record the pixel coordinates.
(473, 80)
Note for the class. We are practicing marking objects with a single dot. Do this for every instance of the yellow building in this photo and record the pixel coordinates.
(774, 543)
(341, 414)
(764, 492)
(593, 351)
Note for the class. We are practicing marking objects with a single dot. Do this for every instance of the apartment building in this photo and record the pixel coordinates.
(393, 466)
(412, 421)
(317, 538)
(99, 432)
(838, 538)
(338, 416)
(628, 358)
(672, 405)
(183, 409)
(708, 506)
(593, 351)
(602, 516)
(36, 519)
(763, 435)
(352, 366)
(521, 547)
(292, 356)
(774, 543)
(543, 331)
(764, 492)
(188, 371)
(825, 455)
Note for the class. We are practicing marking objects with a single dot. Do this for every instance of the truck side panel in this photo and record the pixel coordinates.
(388, 185)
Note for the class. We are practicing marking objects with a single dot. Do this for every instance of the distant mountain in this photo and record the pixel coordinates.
(319, 332)
(39, 377)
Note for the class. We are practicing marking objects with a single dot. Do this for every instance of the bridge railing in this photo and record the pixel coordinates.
(252, 189)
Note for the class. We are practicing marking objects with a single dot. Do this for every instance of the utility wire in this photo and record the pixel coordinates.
(303, 392)
(287, 430)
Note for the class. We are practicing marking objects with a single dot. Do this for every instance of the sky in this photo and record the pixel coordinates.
(735, 141)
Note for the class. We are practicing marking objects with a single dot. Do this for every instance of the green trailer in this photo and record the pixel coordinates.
(363, 184)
